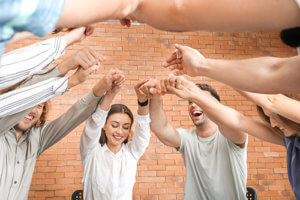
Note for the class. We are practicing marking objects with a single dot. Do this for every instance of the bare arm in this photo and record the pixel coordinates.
(77, 12)
(277, 75)
(223, 15)
(279, 104)
(165, 132)
(225, 116)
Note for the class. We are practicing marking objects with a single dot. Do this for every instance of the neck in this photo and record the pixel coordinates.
(19, 133)
(114, 149)
(207, 129)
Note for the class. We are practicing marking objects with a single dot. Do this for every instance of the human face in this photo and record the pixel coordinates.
(277, 123)
(117, 129)
(31, 119)
(196, 114)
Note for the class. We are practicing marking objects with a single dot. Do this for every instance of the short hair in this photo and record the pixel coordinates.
(116, 108)
(210, 89)
(291, 37)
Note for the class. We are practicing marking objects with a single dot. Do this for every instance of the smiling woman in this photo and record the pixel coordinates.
(109, 159)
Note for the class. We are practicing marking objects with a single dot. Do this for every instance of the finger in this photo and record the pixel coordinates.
(139, 84)
(94, 54)
(163, 86)
(171, 58)
(172, 80)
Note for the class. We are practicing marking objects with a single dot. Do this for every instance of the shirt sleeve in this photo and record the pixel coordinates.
(54, 131)
(92, 131)
(23, 98)
(182, 140)
(9, 121)
(141, 136)
(19, 64)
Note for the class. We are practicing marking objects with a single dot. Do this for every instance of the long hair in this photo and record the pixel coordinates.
(116, 108)
(44, 115)
(291, 125)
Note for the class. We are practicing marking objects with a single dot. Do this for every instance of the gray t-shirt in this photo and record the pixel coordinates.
(216, 168)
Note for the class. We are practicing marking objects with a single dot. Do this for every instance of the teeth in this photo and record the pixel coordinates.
(118, 137)
(29, 117)
(197, 112)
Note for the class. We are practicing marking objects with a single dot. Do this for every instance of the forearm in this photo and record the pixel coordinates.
(92, 11)
(192, 15)
(237, 122)
(59, 128)
(160, 125)
(276, 75)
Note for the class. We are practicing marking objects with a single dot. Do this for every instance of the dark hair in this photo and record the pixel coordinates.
(116, 108)
(291, 37)
(208, 88)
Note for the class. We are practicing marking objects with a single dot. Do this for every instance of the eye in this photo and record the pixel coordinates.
(126, 127)
(114, 125)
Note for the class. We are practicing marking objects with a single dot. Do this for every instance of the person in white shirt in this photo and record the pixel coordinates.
(109, 159)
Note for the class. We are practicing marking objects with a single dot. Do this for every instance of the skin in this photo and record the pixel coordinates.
(99, 89)
(29, 120)
(275, 105)
(118, 125)
(223, 15)
(204, 124)
(234, 126)
(277, 75)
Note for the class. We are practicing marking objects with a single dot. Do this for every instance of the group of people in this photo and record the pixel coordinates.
(214, 150)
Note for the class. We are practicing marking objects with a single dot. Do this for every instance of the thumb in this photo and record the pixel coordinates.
(179, 47)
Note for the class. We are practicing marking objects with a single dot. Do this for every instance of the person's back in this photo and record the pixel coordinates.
(215, 167)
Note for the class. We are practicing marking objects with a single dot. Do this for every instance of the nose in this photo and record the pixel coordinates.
(120, 130)
(273, 122)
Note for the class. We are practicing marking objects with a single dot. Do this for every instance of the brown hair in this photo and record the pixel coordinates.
(293, 126)
(46, 107)
(116, 108)
(44, 115)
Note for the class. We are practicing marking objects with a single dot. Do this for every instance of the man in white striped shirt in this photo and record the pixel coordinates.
(34, 58)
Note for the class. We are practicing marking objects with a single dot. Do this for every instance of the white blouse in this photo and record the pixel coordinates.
(109, 176)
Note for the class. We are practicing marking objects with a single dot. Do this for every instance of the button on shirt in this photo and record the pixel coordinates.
(17, 158)
(109, 176)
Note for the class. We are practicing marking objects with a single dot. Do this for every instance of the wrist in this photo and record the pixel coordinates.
(143, 103)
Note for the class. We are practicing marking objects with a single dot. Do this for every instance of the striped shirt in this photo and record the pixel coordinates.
(36, 16)
(18, 157)
(17, 65)
(16, 104)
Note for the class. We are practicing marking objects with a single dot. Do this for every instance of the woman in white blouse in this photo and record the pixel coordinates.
(109, 159)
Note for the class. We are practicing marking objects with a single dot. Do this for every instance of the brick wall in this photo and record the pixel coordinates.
(139, 52)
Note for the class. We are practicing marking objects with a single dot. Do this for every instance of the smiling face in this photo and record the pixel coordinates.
(276, 122)
(196, 114)
(117, 128)
(31, 119)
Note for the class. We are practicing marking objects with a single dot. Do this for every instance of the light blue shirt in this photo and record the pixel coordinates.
(36, 16)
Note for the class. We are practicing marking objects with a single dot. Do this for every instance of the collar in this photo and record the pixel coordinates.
(106, 149)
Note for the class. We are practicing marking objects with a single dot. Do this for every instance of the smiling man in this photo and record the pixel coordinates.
(214, 155)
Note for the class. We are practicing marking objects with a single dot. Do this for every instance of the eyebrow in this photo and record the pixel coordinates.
(119, 123)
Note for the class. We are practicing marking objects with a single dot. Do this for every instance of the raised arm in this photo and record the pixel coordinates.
(224, 15)
(165, 132)
(21, 63)
(141, 135)
(92, 11)
(279, 104)
(79, 112)
(92, 131)
(277, 75)
(222, 115)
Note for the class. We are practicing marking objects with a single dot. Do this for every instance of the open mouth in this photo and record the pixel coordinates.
(29, 117)
(117, 138)
(197, 113)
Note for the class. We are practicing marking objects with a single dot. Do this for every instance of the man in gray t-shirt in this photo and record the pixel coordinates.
(214, 155)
